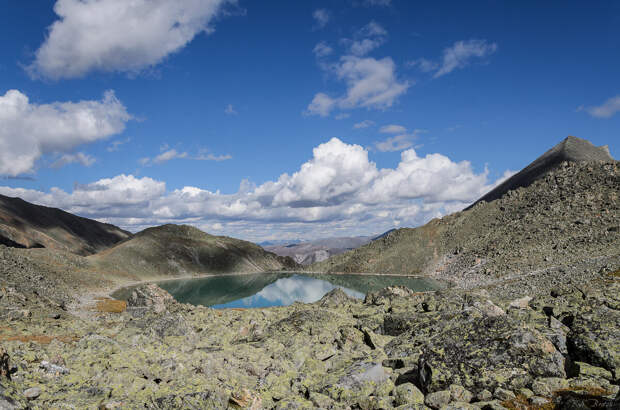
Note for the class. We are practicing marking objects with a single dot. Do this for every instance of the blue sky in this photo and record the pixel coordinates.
(286, 119)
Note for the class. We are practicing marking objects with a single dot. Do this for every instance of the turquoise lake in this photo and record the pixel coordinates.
(277, 289)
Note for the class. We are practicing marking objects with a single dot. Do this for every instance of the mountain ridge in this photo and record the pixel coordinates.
(571, 149)
(27, 225)
(565, 216)
(178, 250)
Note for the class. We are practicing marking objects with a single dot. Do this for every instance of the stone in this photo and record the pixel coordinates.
(437, 399)
(53, 368)
(547, 385)
(32, 393)
(459, 405)
(335, 298)
(484, 395)
(521, 303)
(246, 399)
(503, 394)
(320, 401)
(152, 297)
(587, 370)
(489, 309)
(386, 295)
(460, 394)
(490, 405)
(407, 393)
(539, 401)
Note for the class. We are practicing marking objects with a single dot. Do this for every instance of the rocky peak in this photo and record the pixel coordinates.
(571, 149)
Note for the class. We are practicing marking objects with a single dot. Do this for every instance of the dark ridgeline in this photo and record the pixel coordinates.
(26, 225)
(571, 149)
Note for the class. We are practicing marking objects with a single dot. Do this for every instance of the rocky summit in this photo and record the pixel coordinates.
(531, 319)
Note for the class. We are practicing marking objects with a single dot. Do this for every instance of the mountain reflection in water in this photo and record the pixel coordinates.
(277, 289)
(285, 291)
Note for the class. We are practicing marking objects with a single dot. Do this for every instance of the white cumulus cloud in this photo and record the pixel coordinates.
(119, 35)
(370, 83)
(29, 130)
(340, 190)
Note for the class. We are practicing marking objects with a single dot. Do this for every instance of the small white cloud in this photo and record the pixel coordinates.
(321, 17)
(322, 50)
(366, 39)
(395, 143)
(212, 157)
(461, 53)
(363, 124)
(392, 129)
(119, 35)
(115, 145)
(169, 155)
(230, 110)
(78, 158)
(321, 104)
(383, 3)
(342, 116)
(29, 130)
(398, 142)
(424, 65)
(606, 110)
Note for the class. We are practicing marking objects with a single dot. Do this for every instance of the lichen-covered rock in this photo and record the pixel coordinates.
(150, 296)
(460, 394)
(479, 352)
(386, 295)
(335, 298)
(407, 393)
(548, 385)
(594, 335)
(438, 399)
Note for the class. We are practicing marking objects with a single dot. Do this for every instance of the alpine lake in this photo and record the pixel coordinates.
(277, 288)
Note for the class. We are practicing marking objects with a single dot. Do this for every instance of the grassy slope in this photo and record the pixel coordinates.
(172, 250)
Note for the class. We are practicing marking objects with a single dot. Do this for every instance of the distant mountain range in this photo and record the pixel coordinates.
(307, 253)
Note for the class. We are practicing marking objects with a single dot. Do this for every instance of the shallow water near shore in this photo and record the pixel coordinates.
(277, 289)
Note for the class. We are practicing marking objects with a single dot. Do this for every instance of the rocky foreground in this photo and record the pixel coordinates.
(453, 349)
